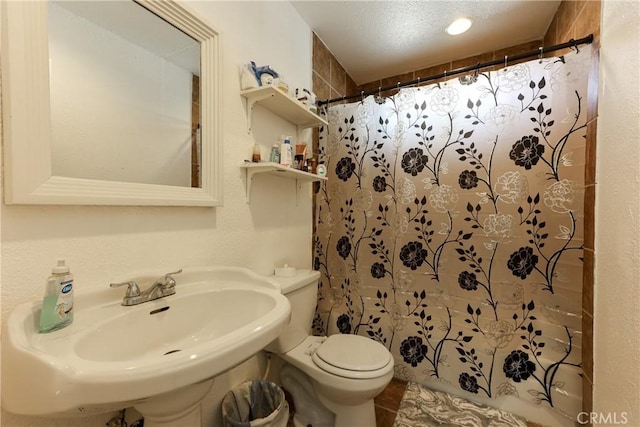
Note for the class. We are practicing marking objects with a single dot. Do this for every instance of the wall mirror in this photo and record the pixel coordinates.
(117, 104)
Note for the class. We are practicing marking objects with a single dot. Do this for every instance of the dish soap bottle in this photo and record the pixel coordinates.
(57, 305)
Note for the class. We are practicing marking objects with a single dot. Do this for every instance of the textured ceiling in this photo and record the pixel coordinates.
(377, 39)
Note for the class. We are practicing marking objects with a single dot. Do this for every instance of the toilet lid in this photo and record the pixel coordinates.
(353, 353)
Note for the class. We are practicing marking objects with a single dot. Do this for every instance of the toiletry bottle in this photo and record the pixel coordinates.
(275, 154)
(57, 305)
(286, 153)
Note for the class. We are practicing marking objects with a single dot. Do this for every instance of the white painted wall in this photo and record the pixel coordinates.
(617, 247)
(101, 243)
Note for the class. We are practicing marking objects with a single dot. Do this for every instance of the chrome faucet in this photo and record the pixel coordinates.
(164, 286)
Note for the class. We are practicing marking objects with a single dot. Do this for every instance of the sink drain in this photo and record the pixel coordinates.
(170, 352)
(159, 310)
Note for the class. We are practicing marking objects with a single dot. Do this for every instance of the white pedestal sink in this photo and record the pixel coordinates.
(159, 356)
(178, 408)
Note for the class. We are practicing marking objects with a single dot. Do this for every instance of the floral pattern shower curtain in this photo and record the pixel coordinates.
(450, 229)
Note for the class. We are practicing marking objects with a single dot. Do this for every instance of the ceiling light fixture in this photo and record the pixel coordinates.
(459, 26)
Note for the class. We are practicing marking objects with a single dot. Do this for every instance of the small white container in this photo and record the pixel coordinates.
(285, 271)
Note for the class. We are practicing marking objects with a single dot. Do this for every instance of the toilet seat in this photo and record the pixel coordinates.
(352, 356)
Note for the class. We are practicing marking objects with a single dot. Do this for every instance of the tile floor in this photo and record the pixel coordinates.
(388, 402)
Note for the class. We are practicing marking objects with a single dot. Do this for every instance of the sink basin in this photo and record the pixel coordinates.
(178, 323)
(114, 356)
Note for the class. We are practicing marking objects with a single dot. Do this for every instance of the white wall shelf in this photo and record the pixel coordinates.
(281, 104)
(275, 169)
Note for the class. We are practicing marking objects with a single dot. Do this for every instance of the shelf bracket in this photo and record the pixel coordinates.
(274, 169)
(250, 103)
(248, 179)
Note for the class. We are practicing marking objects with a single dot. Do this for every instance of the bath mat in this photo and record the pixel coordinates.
(421, 407)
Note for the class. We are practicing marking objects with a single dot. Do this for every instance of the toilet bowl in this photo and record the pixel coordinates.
(312, 411)
(347, 393)
(334, 379)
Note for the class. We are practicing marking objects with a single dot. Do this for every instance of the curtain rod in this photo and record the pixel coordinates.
(542, 50)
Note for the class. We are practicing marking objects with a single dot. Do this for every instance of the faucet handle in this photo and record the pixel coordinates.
(133, 290)
(175, 272)
(170, 281)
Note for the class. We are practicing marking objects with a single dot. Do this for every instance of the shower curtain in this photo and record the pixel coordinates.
(450, 229)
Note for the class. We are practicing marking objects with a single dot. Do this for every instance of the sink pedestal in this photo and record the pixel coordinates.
(178, 408)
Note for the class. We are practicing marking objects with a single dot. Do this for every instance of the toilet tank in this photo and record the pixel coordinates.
(302, 292)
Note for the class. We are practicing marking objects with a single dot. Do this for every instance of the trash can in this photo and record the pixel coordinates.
(255, 403)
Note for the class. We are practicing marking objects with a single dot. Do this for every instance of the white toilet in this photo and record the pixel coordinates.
(332, 380)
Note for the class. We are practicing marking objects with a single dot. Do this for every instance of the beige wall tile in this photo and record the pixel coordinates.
(351, 85)
(588, 19)
(393, 80)
(371, 86)
(433, 71)
(566, 17)
(589, 216)
(321, 59)
(517, 49)
(338, 77)
(587, 282)
(472, 60)
(335, 94)
(320, 87)
(587, 398)
(590, 157)
(587, 346)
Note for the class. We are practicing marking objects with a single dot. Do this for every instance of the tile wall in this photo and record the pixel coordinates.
(330, 80)
(448, 66)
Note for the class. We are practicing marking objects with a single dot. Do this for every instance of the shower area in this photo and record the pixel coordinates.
(452, 230)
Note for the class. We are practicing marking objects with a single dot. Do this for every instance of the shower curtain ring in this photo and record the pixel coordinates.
(575, 45)
(541, 52)
(506, 57)
(362, 95)
(398, 86)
